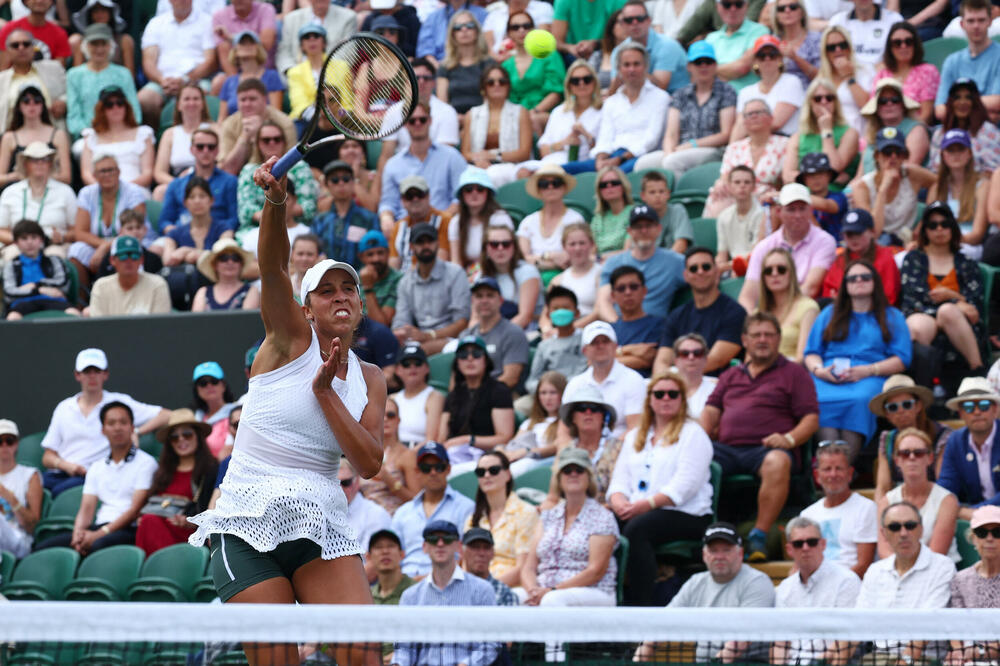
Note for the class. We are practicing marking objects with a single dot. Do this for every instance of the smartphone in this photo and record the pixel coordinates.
(840, 365)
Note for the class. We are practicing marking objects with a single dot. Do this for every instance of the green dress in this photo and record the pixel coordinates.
(543, 76)
(610, 230)
(813, 143)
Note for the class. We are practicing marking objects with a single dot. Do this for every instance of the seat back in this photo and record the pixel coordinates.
(538, 478)
(936, 51)
(67, 503)
(968, 552)
(440, 370)
(621, 558)
(51, 569)
(514, 196)
(7, 562)
(465, 483)
(182, 563)
(705, 233)
(635, 178)
(700, 178)
(116, 565)
(29, 450)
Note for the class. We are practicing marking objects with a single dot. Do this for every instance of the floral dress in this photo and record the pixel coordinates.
(985, 148)
(916, 286)
(921, 83)
(563, 554)
(250, 198)
(767, 170)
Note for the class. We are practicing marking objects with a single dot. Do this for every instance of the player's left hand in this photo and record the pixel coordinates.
(327, 371)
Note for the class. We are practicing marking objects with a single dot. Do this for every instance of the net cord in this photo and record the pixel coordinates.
(52, 621)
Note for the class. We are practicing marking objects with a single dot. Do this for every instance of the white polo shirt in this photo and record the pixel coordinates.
(367, 518)
(624, 389)
(868, 36)
(181, 45)
(79, 438)
(831, 586)
(114, 483)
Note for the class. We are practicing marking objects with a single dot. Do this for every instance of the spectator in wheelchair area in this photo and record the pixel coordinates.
(32, 281)
(120, 483)
(74, 440)
(20, 494)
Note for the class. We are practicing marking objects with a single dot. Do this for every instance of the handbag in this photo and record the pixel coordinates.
(166, 506)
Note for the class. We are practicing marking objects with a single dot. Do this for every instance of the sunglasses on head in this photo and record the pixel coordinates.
(515, 27)
(550, 183)
(272, 139)
(178, 435)
(475, 189)
(605, 184)
(859, 277)
(586, 79)
(8, 440)
(206, 381)
(622, 287)
(893, 407)
(833, 47)
(673, 394)
(572, 470)
(417, 120)
(787, 8)
(205, 146)
(230, 256)
(969, 406)
(496, 245)
(704, 267)
(436, 539)
(797, 544)
(779, 269)
(895, 99)
(470, 352)
(912, 453)
(629, 20)
(411, 363)
(588, 408)
(934, 225)
(900, 42)
(492, 470)
(820, 98)
(469, 25)
(691, 353)
(982, 532)
(427, 468)
(910, 525)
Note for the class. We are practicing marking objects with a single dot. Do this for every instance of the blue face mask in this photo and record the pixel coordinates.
(561, 317)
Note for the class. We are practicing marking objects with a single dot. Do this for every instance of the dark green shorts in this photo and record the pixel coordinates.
(236, 565)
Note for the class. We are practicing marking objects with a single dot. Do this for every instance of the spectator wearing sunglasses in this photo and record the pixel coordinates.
(20, 495)
(712, 314)
(690, 357)
(781, 295)
(205, 149)
(903, 61)
(48, 76)
(225, 265)
(435, 501)
(497, 132)
(535, 83)
(845, 519)
(904, 404)
(857, 229)
(363, 515)
(346, 223)
(912, 576)
(975, 484)
(979, 61)
(666, 66)
(816, 582)
(938, 507)
(509, 519)
(416, 202)
(212, 402)
(661, 489)
(977, 585)
(868, 24)
(129, 291)
(637, 331)
(433, 33)
(733, 42)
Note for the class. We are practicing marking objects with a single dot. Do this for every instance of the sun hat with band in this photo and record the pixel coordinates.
(36, 150)
(180, 417)
(894, 385)
(588, 395)
(871, 106)
(973, 388)
(206, 262)
(312, 277)
(551, 171)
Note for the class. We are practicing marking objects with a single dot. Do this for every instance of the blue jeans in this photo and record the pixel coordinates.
(57, 481)
(582, 166)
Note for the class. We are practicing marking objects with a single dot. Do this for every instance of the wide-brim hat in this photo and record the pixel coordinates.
(206, 262)
(36, 150)
(973, 388)
(183, 417)
(80, 17)
(871, 106)
(894, 385)
(531, 187)
(588, 394)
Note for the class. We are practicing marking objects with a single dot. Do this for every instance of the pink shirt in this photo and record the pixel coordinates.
(817, 250)
(260, 18)
(983, 455)
(921, 83)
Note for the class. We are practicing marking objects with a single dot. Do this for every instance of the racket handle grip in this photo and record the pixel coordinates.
(287, 161)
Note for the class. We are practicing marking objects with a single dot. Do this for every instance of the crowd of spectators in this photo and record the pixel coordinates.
(854, 202)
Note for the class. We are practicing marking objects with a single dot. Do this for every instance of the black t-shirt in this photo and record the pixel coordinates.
(470, 412)
(722, 320)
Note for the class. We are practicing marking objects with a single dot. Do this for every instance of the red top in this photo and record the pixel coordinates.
(885, 264)
(180, 485)
(51, 35)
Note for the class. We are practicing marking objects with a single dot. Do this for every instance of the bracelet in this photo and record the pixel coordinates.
(397, 486)
(105, 529)
(875, 372)
(652, 502)
(693, 142)
(276, 203)
(791, 440)
(17, 506)
(433, 334)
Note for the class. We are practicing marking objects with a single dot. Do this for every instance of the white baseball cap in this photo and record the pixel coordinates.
(8, 427)
(312, 277)
(596, 328)
(91, 358)
(793, 192)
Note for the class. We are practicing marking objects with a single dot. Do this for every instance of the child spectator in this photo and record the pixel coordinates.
(33, 282)
(677, 232)
(741, 225)
(132, 224)
(829, 207)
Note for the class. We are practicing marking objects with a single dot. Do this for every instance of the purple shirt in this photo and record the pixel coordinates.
(983, 456)
(260, 18)
(817, 250)
(755, 407)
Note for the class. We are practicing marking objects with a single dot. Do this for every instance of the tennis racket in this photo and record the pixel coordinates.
(366, 90)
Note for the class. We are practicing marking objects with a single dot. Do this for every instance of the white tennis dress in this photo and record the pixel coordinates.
(282, 479)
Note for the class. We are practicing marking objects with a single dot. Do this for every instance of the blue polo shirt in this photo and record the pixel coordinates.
(984, 69)
(223, 186)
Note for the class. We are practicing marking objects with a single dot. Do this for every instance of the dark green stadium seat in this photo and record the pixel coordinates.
(989, 274)
(621, 558)
(732, 287)
(705, 232)
(968, 552)
(937, 50)
(41, 576)
(48, 314)
(61, 514)
(373, 150)
(7, 562)
(150, 444)
(635, 179)
(691, 549)
(465, 483)
(693, 202)
(204, 590)
(106, 574)
(153, 210)
(582, 197)
(170, 574)
(681, 296)
(538, 478)
(73, 289)
(699, 179)
(513, 195)
(29, 450)
(46, 503)
(440, 370)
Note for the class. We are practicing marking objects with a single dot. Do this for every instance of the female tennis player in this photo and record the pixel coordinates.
(279, 532)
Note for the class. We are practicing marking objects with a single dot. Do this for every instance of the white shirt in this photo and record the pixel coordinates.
(680, 470)
(181, 45)
(788, 88)
(636, 127)
(845, 526)
(863, 74)
(205, 6)
(983, 455)
(954, 28)
(696, 401)
(367, 518)
(624, 389)
(444, 127)
(868, 37)
(825, 9)
(250, 239)
(531, 228)
(78, 438)
(57, 206)
(830, 586)
(496, 20)
(558, 127)
(114, 483)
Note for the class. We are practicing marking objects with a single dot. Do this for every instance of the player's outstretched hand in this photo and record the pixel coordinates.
(266, 181)
(327, 371)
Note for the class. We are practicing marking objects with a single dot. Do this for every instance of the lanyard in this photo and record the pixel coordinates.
(41, 205)
(100, 214)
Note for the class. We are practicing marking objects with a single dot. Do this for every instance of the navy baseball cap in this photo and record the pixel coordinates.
(815, 163)
(856, 221)
(410, 351)
(433, 449)
(642, 212)
(440, 527)
(480, 533)
(485, 281)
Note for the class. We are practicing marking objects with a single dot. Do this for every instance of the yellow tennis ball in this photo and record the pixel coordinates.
(540, 43)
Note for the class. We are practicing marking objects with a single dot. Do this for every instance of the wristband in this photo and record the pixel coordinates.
(106, 529)
(17, 506)
(433, 334)
(652, 502)
(791, 440)
(693, 142)
(396, 486)
(826, 135)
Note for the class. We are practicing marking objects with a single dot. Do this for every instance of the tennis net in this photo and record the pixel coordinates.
(154, 633)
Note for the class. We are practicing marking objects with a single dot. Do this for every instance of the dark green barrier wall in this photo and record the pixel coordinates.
(151, 358)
